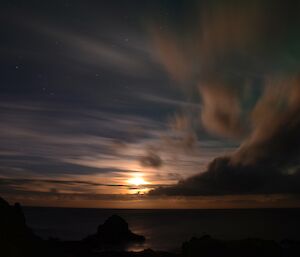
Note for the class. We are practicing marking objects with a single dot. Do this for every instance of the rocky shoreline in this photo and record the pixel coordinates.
(18, 240)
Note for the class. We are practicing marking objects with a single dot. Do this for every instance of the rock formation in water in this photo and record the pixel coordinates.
(114, 231)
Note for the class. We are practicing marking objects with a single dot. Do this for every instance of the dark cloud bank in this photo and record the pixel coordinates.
(259, 102)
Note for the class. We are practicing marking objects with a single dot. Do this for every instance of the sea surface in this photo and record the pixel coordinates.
(168, 229)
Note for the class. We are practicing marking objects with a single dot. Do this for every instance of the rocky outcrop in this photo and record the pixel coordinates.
(114, 231)
(252, 247)
(16, 239)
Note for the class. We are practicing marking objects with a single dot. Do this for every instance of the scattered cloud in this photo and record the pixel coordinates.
(151, 159)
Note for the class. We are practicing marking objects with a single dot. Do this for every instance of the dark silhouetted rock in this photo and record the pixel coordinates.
(16, 239)
(205, 245)
(114, 231)
(209, 247)
(290, 248)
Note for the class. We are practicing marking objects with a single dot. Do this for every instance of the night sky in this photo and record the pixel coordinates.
(150, 104)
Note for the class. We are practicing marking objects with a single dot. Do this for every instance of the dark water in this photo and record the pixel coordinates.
(167, 229)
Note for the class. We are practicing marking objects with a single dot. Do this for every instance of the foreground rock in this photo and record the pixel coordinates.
(16, 239)
(210, 247)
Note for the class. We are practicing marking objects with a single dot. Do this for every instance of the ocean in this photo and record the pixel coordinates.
(168, 229)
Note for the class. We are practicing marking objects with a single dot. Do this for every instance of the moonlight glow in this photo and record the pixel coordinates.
(137, 181)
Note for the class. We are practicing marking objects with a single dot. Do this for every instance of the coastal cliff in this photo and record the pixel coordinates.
(18, 240)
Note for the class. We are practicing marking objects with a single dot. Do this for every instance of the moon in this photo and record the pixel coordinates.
(137, 181)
